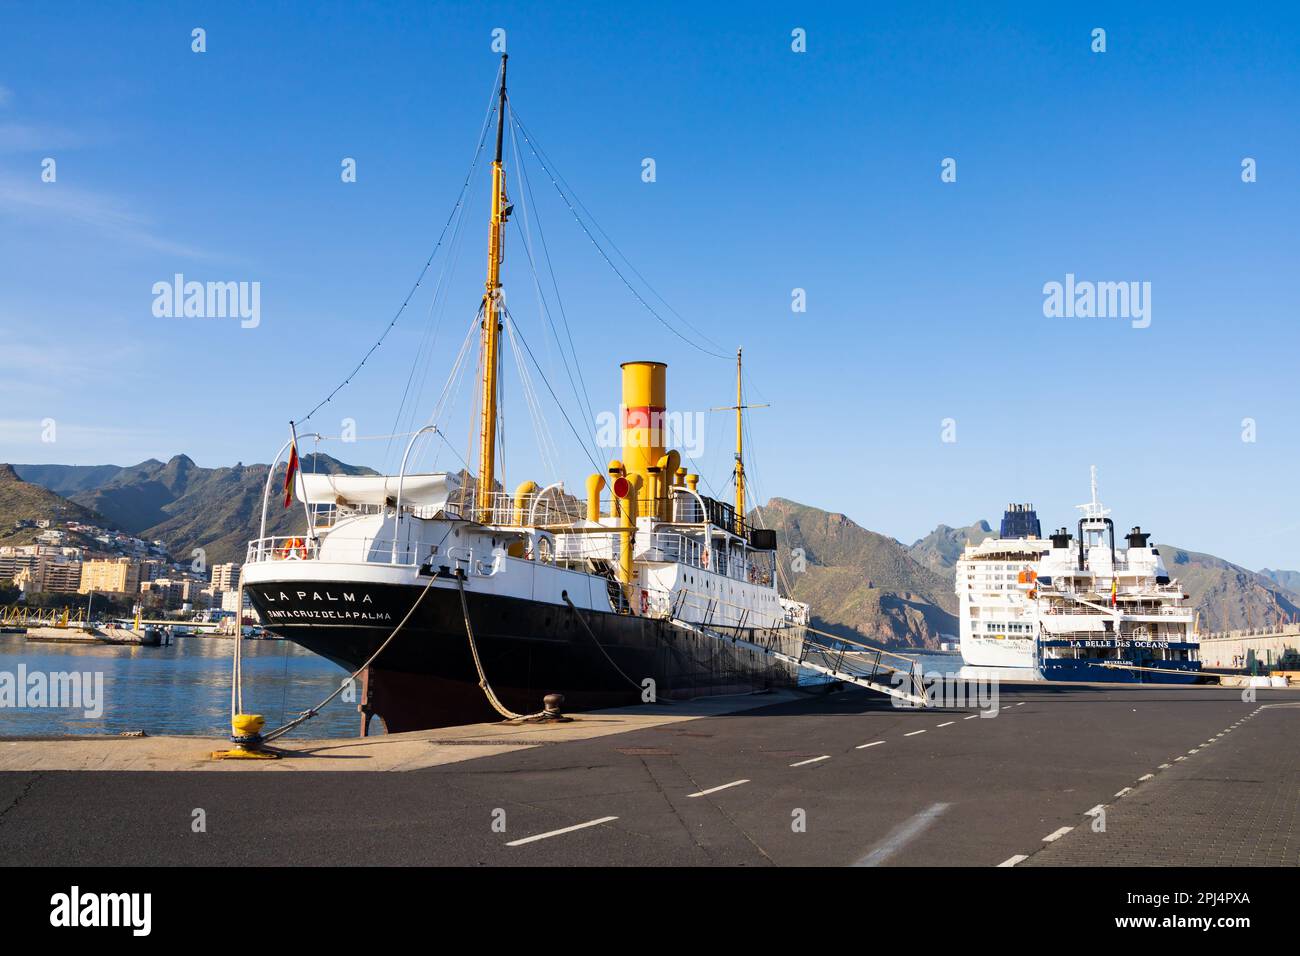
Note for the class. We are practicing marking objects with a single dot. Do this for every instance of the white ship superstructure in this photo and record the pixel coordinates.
(1073, 606)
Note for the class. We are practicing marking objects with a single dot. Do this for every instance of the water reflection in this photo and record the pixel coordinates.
(180, 689)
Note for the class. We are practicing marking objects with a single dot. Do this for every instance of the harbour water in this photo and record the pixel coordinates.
(183, 688)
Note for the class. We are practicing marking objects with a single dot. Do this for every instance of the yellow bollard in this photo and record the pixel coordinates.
(246, 735)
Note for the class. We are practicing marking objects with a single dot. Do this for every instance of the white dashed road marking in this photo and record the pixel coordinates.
(914, 733)
(1012, 861)
(1056, 835)
(804, 763)
(725, 786)
(555, 833)
(874, 743)
(948, 724)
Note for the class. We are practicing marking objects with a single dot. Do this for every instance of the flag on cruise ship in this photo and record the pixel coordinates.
(290, 473)
(1114, 590)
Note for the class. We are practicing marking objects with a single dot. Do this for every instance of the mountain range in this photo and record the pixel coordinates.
(178, 503)
(860, 583)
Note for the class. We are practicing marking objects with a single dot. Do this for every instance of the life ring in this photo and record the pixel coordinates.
(645, 601)
(292, 548)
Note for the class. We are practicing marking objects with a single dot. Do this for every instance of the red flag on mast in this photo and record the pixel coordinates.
(290, 473)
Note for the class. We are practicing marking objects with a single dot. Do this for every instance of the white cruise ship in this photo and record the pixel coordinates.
(1073, 607)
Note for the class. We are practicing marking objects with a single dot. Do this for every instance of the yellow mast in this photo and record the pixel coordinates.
(739, 472)
(740, 453)
(491, 337)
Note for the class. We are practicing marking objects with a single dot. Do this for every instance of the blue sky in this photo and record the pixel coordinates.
(774, 170)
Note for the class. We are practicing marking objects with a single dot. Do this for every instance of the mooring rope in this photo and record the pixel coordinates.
(499, 707)
(596, 641)
(306, 715)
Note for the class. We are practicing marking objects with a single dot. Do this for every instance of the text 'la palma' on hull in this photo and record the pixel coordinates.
(488, 601)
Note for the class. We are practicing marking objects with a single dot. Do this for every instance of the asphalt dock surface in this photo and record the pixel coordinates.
(1062, 775)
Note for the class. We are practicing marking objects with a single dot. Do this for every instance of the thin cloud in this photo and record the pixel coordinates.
(46, 201)
(19, 433)
(31, 137)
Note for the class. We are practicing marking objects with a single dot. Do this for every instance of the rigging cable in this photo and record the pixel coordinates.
(610, 262)
(378, 342)
(546, 447)
(558, 403)
(527, 199)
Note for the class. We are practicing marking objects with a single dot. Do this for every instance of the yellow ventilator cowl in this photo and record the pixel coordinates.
(525, 491)
(595, 484)
(667, 472)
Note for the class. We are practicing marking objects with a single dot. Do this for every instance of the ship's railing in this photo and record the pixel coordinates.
(1163, 609)
(577, 547)
(326, 515)
(672, 547)
(1123, 589)
(539, 509)
(844, 656)
(369, 550)
(682, 507)
(287, 547)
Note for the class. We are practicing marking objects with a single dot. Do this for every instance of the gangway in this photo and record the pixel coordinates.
(854, 666)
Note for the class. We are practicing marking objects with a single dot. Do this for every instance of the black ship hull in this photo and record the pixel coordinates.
(426, 677)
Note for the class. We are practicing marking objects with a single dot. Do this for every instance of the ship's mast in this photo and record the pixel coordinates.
(491, 309)
(739, 472)
(740, 451)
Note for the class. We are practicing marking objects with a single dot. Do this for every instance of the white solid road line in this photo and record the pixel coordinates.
(948, 724)
(804, 763)
(914, 733)
(725, 786)
(554, 833)
(874, 743)
(1057, 834)
(1014, 860)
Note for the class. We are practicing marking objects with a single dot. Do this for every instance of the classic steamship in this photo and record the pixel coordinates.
(648, 589)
